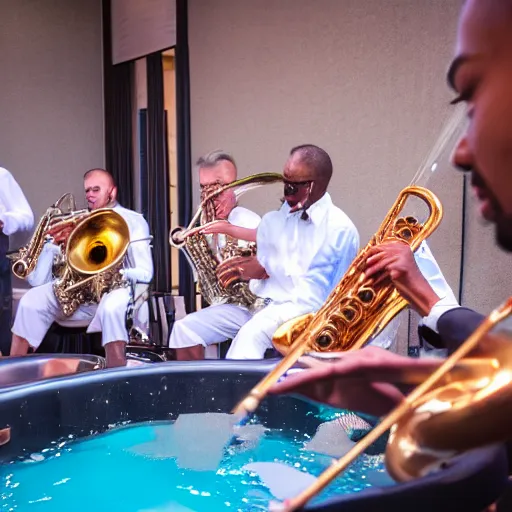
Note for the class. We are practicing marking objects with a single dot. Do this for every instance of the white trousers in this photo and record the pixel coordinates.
(39, 308)
(251, 334)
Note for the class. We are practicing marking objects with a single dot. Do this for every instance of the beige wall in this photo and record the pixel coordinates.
(51, 95)
(365, 79)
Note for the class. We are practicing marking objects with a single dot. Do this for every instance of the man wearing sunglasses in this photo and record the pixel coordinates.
(304, 248)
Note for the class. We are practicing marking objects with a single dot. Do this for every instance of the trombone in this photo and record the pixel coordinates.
(434, 424)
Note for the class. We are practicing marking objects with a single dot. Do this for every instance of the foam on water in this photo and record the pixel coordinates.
(134, 469)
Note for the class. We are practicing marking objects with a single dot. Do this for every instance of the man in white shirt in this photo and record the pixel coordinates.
(39, 307)
(213, 324)
(303, 250)
(481, 76)
(15, 215)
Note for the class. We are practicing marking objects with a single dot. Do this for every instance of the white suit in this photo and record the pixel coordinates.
(39, 308)
(16, 216)
(304, 259)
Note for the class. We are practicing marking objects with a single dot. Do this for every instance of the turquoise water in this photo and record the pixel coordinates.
(131, 469)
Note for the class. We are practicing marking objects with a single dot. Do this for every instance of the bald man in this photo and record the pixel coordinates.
(39, 308)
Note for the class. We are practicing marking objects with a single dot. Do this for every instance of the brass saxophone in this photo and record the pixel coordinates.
(206, 252)
(25, 259)
(450, 413)
(357, 309)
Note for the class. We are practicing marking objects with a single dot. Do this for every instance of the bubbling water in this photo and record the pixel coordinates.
(135, 468)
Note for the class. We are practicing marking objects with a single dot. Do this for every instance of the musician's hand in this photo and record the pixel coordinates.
(60, 235)
(395, 261)
(243, 267)
(361, 380)
(219, 226)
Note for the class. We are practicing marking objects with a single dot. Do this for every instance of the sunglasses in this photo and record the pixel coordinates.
(292, 187)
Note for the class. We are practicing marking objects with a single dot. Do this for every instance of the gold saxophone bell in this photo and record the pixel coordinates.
(434, 424)
(356, 309)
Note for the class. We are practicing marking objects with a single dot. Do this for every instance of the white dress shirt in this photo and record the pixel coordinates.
(241, 217)
(15, 212)
(304, 259)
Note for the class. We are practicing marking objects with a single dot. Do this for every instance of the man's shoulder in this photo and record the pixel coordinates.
(338, 219)
(4, 173)
(130, 215)
(244, 217)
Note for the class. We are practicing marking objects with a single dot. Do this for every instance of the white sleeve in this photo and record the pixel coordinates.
(140, 257)
(42, 272)
(441, 307)
(18, 215)
(432, 272)
(326, 269)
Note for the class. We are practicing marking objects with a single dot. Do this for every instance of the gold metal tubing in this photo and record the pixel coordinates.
(251, 401)
(407, 404)
(359, 332)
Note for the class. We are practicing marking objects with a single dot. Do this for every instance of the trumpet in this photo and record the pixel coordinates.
(434, 424)
(357, 308)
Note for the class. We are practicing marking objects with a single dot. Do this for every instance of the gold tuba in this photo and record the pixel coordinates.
(357, 309)
(94, 256)
(448, 414)
(206, 252)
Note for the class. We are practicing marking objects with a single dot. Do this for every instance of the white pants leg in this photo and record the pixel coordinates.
(110, 317)
(388, 336)
(38, 309)
(208, 326)
(255, 337)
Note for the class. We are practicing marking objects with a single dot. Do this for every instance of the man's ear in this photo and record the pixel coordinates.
(113, 194)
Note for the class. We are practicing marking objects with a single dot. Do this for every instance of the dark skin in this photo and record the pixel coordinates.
(481, 74)
(309, 187)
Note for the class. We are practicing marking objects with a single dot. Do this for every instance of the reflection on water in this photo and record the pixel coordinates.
(137, 468)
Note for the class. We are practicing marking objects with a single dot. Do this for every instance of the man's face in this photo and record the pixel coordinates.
(298, 181)
(223, 173)
(482, 75)
(99, 191)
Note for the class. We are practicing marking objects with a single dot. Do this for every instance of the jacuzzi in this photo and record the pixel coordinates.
(40, 413)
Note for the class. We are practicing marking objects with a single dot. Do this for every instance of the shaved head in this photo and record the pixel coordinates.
(104, 172)
(100, 188)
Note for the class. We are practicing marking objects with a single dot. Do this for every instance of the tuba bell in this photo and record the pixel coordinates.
(205, 252)
(357, 308)
(94, 256)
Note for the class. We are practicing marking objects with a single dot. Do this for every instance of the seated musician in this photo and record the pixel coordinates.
(212, 325)
(302, 251)
(15, 215)
(365, 380)
(39, 307)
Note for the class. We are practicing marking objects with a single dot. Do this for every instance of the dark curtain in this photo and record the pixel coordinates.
(186, 285)
(157, 173)
(118, 86)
